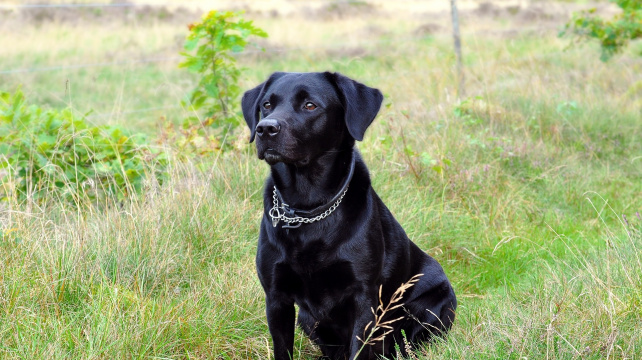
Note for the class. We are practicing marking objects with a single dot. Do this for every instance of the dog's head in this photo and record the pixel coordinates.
(296, 117)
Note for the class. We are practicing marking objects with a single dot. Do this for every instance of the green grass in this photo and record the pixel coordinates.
(522, 202)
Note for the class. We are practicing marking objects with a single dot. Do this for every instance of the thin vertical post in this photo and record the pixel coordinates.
(457, 37)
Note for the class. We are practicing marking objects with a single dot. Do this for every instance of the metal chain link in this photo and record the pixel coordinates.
(277, 213)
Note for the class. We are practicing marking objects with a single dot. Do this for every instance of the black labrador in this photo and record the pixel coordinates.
(327, 241)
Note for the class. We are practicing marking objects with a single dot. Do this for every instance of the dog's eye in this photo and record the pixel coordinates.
(267, 105)
(310, 106)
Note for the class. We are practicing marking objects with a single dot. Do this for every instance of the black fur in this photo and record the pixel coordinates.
(333, 268)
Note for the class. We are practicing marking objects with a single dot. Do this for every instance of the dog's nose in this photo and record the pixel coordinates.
(268, 126)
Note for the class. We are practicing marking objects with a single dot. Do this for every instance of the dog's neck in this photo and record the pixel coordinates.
(316, 183)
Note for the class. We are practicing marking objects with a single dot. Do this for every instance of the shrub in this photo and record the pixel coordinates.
(613, 34)
(208, 50)
(56, 152)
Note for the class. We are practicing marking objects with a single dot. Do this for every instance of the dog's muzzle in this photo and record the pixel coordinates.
(267, 127)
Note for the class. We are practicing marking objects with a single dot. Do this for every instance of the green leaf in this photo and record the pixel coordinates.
(46, 141)
(426, 159)
(190, 44)
(211, 90)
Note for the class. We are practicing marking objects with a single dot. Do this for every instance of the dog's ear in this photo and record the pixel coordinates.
(250, 106)
(361, 104)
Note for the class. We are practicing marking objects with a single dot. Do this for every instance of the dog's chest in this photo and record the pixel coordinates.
(314, 277)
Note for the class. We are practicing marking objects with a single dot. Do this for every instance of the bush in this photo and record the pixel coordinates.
(208, 51)
(613, 34)
(44, 153)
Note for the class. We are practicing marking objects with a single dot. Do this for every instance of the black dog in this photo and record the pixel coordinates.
(327, 242)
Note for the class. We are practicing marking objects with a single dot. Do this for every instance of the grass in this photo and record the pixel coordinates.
(518, 190)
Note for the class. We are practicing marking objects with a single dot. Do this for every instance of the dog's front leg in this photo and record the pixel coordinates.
(280, 317)
(361, 349)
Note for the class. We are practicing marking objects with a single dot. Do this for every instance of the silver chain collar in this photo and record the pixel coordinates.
(277, 213)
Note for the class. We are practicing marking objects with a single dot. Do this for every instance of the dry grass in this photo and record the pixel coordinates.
(377, 330)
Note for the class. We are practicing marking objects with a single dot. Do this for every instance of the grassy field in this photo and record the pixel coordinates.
(528, 189)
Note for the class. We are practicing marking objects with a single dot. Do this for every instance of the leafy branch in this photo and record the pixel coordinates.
(208, 52)
(613, 35)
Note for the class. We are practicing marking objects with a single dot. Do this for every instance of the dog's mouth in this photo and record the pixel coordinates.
(271, 156)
